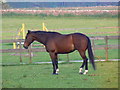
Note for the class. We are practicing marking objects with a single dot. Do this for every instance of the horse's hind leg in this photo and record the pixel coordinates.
(85, 62)
(54, 62)
(81, 68)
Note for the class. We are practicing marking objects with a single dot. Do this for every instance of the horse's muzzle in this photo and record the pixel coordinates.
(25, 47)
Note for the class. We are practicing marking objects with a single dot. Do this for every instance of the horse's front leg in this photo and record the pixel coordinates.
(54, 62)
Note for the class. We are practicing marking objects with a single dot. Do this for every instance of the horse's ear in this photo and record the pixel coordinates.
(29, 31)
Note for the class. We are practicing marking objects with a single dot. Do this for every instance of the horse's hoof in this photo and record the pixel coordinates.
(84, 73)
(54, 73)
(80, 73)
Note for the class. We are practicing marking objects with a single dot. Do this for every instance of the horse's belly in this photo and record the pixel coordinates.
(65, 49)
(62, 52)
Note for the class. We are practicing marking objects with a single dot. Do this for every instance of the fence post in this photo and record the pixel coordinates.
(20, 52)
(14, 45)
(44, 27)
(30, 54)
(67, 57)
(23, 31)
(106, 47)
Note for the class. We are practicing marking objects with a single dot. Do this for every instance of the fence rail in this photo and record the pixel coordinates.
(22, 50)
(99, 47)
(105, 47)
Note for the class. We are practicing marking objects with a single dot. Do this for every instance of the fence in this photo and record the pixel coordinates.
(105, 47)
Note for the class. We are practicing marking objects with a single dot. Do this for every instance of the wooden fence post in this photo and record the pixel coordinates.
(67, 57)
(30, 54)
(106, 47)
(20, 51)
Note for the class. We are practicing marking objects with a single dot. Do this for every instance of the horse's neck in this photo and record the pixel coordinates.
(42, 38)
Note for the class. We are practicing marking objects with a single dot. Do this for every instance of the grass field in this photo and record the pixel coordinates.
(39, 76)
(13, 24)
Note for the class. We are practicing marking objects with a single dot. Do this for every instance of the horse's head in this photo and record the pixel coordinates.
(28, 40)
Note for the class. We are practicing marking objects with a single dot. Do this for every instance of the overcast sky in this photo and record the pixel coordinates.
(62, 0)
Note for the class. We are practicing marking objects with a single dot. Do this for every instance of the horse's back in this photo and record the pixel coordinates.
(61, 43)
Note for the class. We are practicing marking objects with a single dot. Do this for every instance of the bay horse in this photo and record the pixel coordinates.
(56, 43)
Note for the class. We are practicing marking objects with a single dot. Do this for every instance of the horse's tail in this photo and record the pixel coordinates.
(90, 54)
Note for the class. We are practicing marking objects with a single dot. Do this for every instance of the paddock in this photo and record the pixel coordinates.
(32, 68)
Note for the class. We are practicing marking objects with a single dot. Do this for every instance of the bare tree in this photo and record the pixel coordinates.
(4, 4)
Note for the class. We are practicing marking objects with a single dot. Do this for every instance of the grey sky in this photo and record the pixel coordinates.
(62, 0)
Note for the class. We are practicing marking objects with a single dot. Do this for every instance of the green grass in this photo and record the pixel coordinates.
(13, 24)
(39, 76)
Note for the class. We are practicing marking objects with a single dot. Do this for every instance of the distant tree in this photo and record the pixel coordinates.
(4, 4)
(4, 1)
